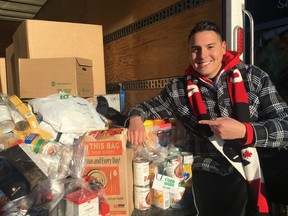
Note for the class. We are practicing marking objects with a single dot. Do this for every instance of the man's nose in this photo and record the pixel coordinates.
(203, 53)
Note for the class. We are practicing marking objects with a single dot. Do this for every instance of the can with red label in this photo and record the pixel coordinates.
(141, 172)
(142, 197)
(174, 167)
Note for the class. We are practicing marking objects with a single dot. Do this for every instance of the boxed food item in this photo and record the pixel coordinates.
(110, 162)
(24, 110)
(50, 39)
(41, 77)
(28, 117)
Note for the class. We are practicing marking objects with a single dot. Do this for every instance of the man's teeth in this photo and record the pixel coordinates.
(203, 63)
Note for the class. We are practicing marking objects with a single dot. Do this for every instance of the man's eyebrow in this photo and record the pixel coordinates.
(210, 44)
(197, 46)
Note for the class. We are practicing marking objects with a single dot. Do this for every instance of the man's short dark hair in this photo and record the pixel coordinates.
(204, 26)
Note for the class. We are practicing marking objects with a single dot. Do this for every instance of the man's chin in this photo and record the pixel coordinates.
(204, 73)
(201, 71)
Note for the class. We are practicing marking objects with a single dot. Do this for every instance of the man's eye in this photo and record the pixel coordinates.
(210, 47)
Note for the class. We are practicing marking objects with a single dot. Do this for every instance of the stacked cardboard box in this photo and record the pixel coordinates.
(46, 41)
(46, 76)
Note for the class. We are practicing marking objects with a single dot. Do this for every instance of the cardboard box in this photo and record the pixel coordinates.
(12, 79)
(49, 39)
(110, 162)
(46, 76)
(3, 80)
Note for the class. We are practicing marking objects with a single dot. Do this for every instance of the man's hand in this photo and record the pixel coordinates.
(226, 128)
(136, 131)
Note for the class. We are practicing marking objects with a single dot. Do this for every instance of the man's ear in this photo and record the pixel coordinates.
(224, 46)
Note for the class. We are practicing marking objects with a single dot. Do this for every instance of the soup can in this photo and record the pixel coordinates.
(141, 172)
(142, 197)
(174, 168)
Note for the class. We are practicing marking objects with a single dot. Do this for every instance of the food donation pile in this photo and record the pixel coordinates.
(59, 156)
(42, 157)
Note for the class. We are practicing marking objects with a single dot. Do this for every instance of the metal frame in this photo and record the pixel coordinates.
(140, 85)
(19, 10)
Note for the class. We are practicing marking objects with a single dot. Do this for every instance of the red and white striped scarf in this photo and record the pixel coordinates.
(248, 165)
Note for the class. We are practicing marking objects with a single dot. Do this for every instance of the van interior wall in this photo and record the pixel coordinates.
(152, 52)
(156, 51)
(112, 14)
(7, 29)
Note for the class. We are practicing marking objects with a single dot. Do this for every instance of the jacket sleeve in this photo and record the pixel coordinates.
(269, 112)
(163, 105)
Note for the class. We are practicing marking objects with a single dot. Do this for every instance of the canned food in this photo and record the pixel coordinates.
(20, 123)
(39, 145)
(142, 197)
(174, 168)
(187, 167)
(161, 198)
(175, 198)
(141, 172)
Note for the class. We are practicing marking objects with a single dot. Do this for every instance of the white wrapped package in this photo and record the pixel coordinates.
(68, 114)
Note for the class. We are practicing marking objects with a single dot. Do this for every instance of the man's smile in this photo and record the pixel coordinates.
(203, 64)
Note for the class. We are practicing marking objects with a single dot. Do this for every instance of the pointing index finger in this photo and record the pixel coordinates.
(208, 122)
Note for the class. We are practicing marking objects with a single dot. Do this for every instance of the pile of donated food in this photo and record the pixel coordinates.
(42, 159)
(40, 147)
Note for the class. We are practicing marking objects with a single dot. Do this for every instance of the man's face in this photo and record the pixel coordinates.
(206, 51)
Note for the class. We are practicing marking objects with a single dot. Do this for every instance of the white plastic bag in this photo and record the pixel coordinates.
(68, 114)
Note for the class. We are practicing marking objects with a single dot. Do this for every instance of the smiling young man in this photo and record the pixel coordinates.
(235, 121)
(206, 52)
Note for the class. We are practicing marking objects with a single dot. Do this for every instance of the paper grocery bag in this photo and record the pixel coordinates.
(110, 162)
